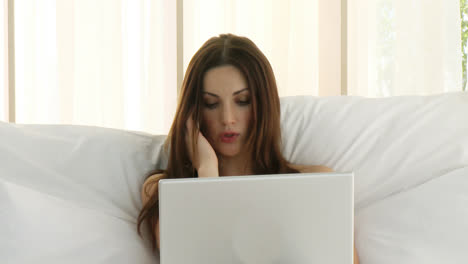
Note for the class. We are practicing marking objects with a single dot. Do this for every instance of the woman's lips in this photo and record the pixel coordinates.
(229, 137)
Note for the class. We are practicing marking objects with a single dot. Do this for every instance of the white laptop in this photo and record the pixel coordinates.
(262, 219)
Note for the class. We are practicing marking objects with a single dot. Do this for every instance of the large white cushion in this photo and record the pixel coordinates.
(71, 194)
(410, 158)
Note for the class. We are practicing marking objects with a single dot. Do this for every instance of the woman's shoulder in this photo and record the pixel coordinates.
(310, 168)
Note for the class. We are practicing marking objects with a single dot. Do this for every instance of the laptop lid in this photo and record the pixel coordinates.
(281, 218)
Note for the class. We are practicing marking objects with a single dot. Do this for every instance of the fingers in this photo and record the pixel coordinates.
(189, 123)
(189, 139)
(199, 149)
(190, 126)
(190, 131)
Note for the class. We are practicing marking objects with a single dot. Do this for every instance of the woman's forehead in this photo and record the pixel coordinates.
(224, 80)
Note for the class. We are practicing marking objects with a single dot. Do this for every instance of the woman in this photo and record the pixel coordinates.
(227, 121)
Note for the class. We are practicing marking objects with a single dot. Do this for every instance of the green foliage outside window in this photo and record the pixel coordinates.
(464, 33)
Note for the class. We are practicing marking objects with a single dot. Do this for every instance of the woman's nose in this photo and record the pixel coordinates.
(228, 116)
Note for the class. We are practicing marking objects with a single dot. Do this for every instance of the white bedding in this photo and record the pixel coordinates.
(40, 228)
(425, 224)
(71, 194)
(410, 158)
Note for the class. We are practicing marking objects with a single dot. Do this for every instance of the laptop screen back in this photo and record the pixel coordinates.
(282, 218)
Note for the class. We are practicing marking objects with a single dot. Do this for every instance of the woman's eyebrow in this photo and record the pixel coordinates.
(240, 91)
(212, 94)
(234, 93)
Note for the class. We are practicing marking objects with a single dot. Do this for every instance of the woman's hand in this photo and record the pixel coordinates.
(205, 160)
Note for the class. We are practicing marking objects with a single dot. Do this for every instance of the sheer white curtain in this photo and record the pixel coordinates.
(108, 63)
(113, 63)
(285, 30)
(401, 47)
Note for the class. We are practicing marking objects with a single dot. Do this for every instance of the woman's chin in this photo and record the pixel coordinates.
(228, 152)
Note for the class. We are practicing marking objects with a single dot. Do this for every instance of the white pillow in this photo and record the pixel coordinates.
(396, 146)
(425, 224)
(58, 180)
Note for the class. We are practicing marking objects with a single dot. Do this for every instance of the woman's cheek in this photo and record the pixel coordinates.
(208, 124)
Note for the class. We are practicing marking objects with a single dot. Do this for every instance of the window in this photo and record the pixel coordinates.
(118, 63)
(3, 64)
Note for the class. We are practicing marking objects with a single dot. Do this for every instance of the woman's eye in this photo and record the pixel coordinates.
(243, 102)
(211, 106)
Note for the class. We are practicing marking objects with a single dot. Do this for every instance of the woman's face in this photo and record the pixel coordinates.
(226, 110)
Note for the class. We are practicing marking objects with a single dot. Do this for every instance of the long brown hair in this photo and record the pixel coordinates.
(264, 140)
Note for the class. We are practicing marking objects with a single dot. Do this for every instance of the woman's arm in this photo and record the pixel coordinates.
(356, 257)
(315, 169)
